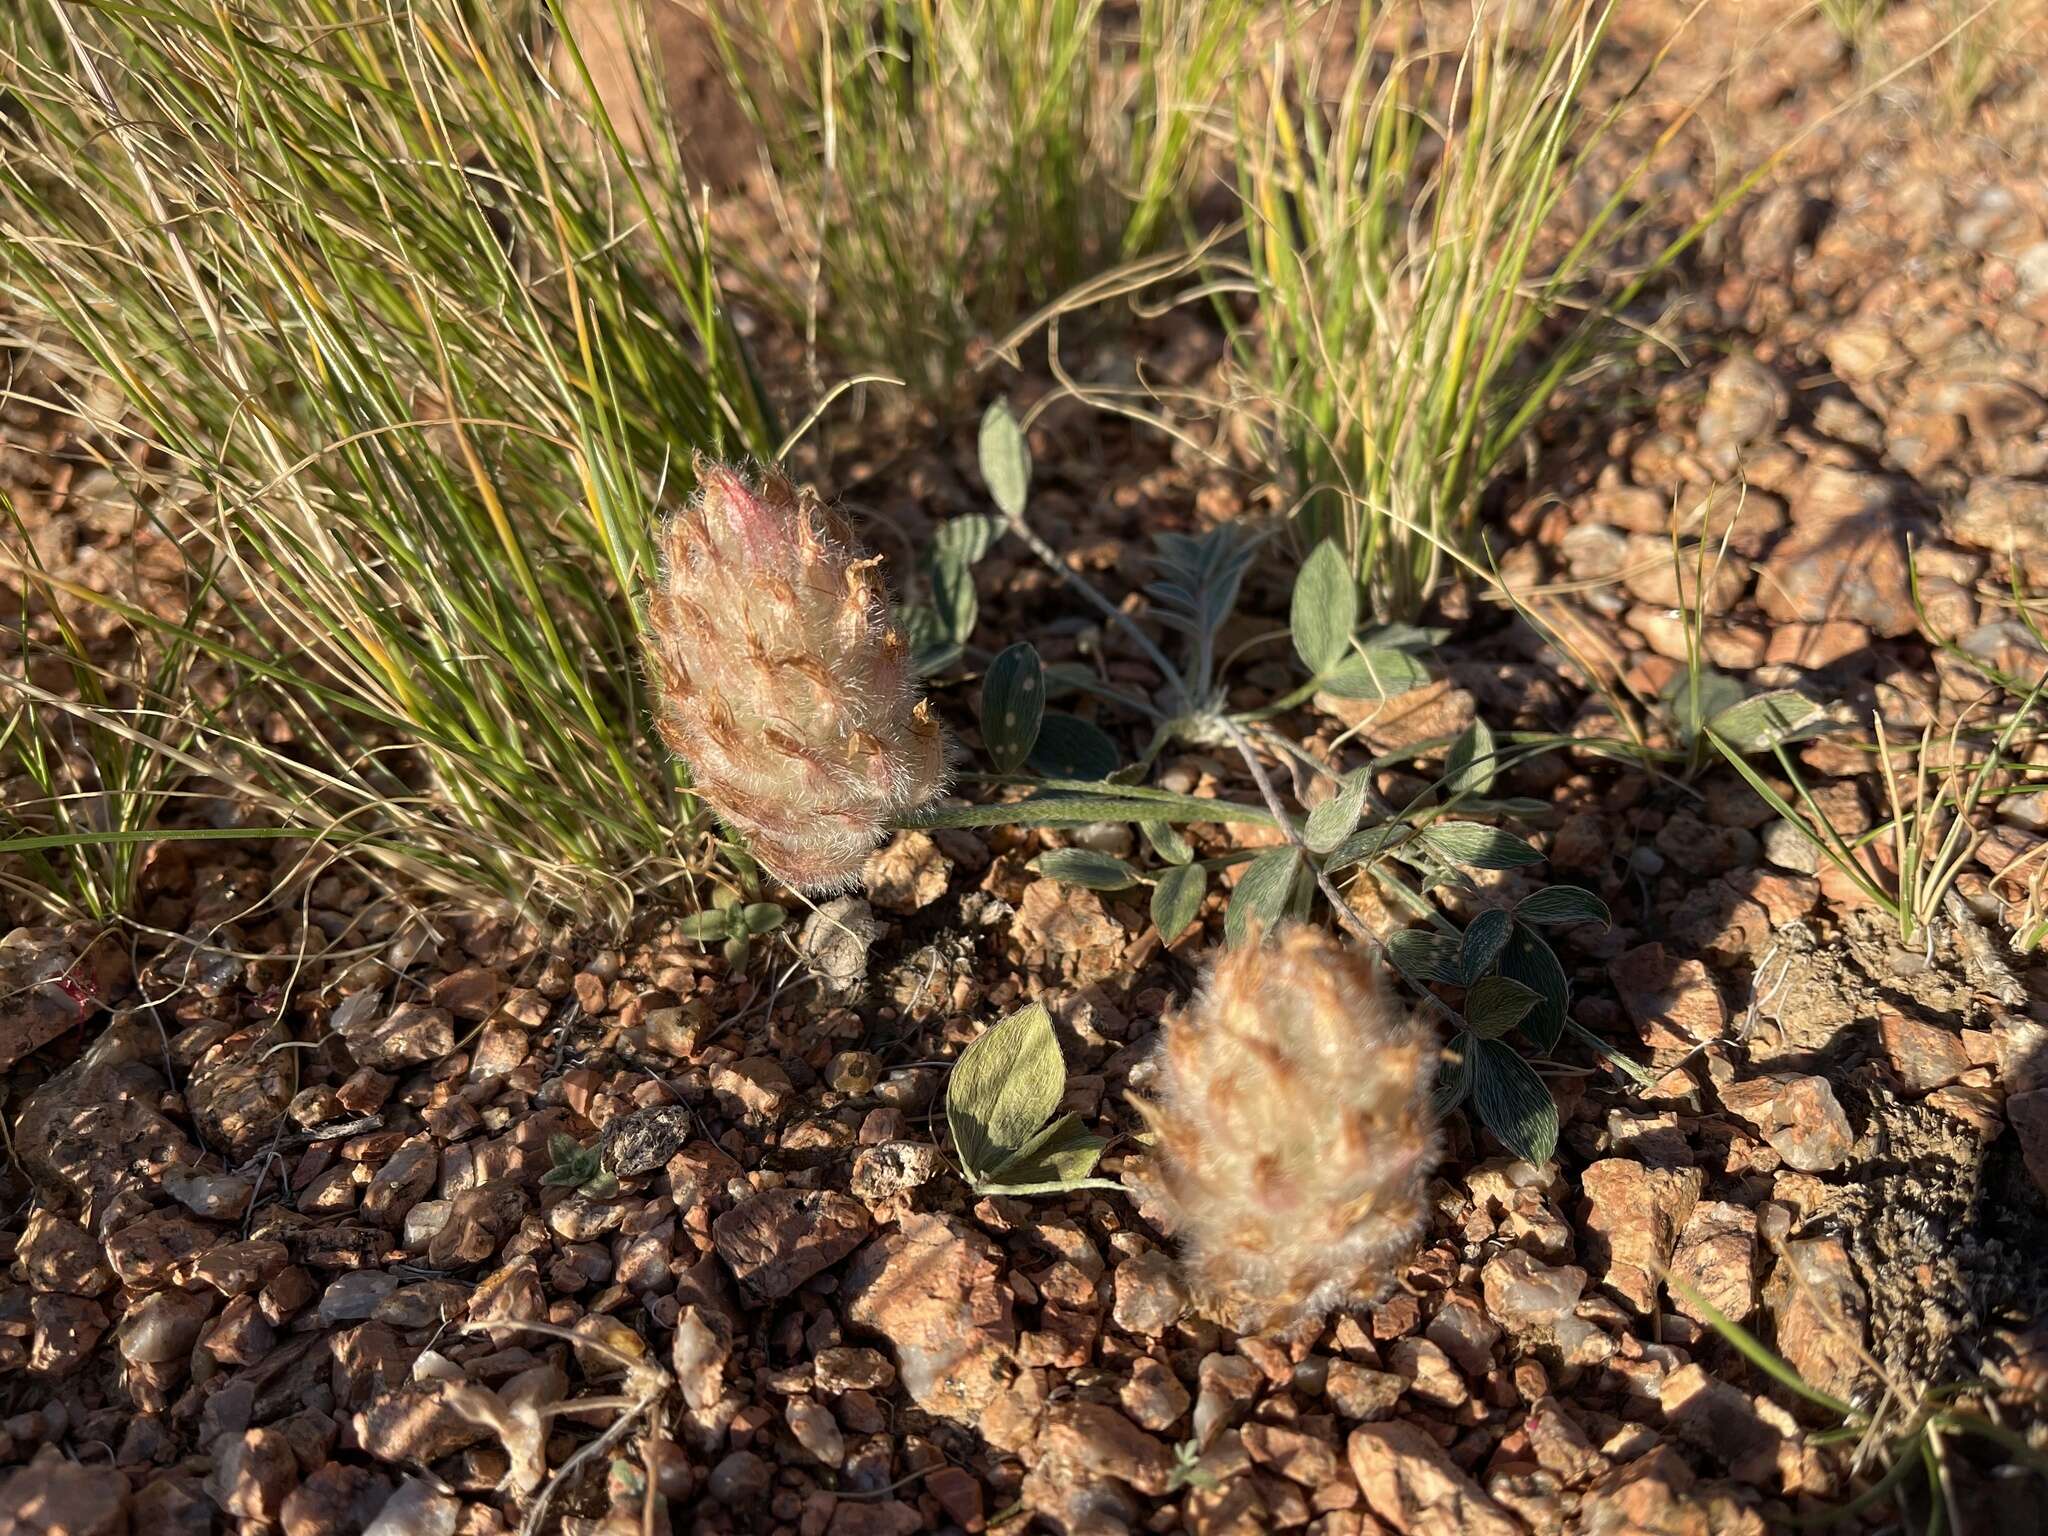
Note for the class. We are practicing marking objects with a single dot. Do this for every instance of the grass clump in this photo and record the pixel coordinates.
(410, 373)
(1408, 268)
(1977, 41)
(949, 163)
(1393, 255)
(1942, 791)
(1855, 21)
(82, 787)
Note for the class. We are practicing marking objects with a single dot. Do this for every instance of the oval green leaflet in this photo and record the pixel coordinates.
(1563, 904)
(1766, 720)
(1324, 613)
(1000, 1102)
(1485, 936)
(1005, 460)
(1268, 890)
(1495, 1004)
(1469, 765)
(1012, 705)
(1069, 747)
(1374, 674)
(1533, 963)
(1331, 822)
(1453, 1075)
(1167, 841)
(1177, 897)
(1086, 867)
(1423, 956)
(956, 546)
(1513, 1102)
(1477, 846)
(706, 926)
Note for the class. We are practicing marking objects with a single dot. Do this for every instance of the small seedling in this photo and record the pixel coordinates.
(999, 1108)
(1937, 813)
(734, 921)
(1178, 890)
(1710, 712)
(579, 1168)
(1187, 1470)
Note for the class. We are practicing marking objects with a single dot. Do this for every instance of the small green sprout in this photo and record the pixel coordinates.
(734, 921)
(1188, 1471)
(579, 1168)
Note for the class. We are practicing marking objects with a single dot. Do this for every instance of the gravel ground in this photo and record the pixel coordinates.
(279, 1253)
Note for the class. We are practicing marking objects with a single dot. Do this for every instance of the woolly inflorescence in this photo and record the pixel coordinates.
(1294, 1132)
(782, 681)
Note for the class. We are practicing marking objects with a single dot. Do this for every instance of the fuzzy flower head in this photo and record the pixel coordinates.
(1294, 1132)
(782, 680)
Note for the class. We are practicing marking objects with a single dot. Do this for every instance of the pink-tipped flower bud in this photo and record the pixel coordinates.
(1295, 1137)
(783, 683)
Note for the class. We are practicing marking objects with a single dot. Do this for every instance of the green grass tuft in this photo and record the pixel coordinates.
(950, 163)
(1396, 218)
(415, 369)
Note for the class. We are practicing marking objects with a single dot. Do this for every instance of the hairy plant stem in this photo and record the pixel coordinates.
(1350, 919)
